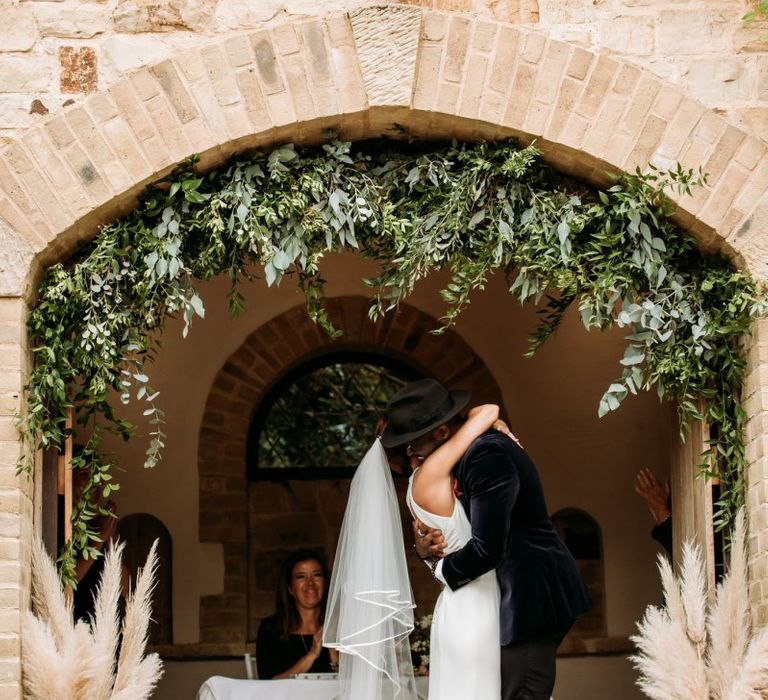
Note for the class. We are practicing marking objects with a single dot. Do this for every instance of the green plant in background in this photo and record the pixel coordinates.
(324, 418)
(420, 645)
(760, 12)
(473, 209)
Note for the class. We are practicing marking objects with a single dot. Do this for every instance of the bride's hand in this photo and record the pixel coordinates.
(502, 427)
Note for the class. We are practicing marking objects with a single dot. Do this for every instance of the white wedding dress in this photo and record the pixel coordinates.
(464, 657)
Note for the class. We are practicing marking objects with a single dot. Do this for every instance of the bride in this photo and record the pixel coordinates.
(370, 608)
(465, 641)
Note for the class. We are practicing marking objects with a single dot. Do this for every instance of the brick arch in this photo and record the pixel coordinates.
(266, 355)
(437, 74)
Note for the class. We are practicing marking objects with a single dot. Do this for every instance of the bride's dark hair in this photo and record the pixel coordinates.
(287, 614)
(399, 461)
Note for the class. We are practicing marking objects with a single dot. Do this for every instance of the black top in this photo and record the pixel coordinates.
(275, 655)
(541, 588)
(83, 598)
(662, 533)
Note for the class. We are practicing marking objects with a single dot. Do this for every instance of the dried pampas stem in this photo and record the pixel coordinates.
(48, 598)
(730, 621)
(693, 590)
(138, 613)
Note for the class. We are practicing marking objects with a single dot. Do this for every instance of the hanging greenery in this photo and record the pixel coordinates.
(474, 209)
(758, 13)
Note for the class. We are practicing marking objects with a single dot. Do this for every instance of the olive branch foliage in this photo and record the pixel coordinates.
(758, 13)
(473, 209)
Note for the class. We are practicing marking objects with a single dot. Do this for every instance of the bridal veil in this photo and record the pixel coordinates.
(370, 604)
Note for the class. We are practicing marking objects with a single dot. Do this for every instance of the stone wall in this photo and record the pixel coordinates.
(432, 73)
(16, 498)
(54, 53)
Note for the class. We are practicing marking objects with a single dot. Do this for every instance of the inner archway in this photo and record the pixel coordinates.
(289, 509)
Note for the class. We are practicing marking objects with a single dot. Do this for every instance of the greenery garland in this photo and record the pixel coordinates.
(759, 12)
(471, 208)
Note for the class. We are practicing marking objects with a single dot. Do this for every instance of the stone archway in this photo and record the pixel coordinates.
(268, 353)
(436, 74)
(361, 72)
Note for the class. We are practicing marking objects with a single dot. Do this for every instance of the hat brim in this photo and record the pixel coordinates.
(391, 439)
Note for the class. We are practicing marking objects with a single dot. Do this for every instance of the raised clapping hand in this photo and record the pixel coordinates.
(317, 645)
(655, 495)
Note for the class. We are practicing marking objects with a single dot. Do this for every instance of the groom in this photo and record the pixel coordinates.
(496, 482)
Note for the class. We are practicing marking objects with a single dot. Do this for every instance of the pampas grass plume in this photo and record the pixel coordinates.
(686, 652)
(64, 660)
(138, 613)
(693, 591)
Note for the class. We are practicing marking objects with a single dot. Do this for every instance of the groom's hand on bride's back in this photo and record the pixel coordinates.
(428, 541)
(502, 427)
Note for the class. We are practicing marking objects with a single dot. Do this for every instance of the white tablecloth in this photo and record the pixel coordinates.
(221, 688)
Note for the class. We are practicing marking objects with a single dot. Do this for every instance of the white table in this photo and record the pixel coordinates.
(221, 688)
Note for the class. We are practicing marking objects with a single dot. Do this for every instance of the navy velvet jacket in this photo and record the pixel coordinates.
(541, 588)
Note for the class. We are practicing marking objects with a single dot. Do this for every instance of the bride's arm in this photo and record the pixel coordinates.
(431, 484)
(441, 462)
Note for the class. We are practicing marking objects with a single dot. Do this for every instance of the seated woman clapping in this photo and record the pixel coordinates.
(290, 641)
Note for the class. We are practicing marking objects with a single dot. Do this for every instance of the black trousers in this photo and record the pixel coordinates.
(528, 668)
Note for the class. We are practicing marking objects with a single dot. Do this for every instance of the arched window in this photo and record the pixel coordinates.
(582, 536)
(319, 420)
(139, 531)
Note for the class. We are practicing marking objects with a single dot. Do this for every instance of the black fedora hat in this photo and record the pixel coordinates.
(419, 407)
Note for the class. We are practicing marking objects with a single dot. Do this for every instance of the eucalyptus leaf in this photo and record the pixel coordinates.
(282, 260)
(197, 304)
(476, 219)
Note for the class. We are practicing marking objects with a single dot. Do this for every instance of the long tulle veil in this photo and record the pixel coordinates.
(370, 604)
